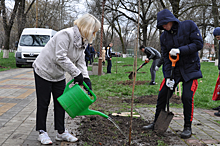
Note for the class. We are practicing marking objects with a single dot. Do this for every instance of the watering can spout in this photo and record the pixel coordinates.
(92, 112)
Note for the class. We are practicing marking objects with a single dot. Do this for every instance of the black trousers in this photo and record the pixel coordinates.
(91, 59)
(44, 89)
(189, 89)
(109, 66)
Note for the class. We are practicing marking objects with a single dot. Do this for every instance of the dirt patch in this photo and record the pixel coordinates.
(96, 130)
(129, 82)
(152, 99)
(137, 72)
(2, 66)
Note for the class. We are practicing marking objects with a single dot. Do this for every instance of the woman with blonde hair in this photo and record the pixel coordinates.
(63, 53)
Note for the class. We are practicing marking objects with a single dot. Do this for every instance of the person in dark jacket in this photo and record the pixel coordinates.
(109, 57)
(159, 64)
(92, 53)
(155, 56)
(87, 55)
(216, 33)
(181, 38)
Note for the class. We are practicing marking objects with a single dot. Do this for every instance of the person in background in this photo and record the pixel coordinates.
(161, 62)
(63, 53)
(87, 56)
(92, 53)
(183, 38)
(103, 55)
(109, 57)
(155, 56)
(216, 33)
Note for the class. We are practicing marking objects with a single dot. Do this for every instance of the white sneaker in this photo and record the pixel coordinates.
(44, 138)
(66, 136)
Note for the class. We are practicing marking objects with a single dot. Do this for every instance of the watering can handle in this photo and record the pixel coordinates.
(67, 88)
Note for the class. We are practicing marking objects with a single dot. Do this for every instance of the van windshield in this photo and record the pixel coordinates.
(34, 40)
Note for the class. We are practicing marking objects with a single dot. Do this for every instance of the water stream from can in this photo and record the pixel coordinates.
(110, 119)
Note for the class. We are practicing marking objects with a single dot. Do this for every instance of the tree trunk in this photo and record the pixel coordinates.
(6, 44)
(216, 17)
(5, 53)
(8, 24)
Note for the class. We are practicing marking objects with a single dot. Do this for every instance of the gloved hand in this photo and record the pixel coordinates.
(170, 83)
(174, 51)
(156, 68)
(79, 79)
(89, 84)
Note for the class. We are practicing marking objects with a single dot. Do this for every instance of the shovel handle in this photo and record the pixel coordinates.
(174, 60)
(143, 65)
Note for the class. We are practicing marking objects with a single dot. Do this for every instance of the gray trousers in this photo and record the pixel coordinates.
(152, 69)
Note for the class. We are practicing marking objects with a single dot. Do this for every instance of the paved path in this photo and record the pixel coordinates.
(18, 111)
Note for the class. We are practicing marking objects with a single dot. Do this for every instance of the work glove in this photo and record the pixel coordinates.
(156, 68)
(174, 51)
(89, 84)
(170, 83)
(79, 79)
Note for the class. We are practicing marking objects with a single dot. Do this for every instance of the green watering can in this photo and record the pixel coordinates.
(76, 102)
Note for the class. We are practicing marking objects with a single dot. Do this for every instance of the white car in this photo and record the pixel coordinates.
(31, 43)
(204, 59)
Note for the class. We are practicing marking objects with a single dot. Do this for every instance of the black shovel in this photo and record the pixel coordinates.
(165, 117)
(132, 74)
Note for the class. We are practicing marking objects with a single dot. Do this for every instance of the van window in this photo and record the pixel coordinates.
(34, 40)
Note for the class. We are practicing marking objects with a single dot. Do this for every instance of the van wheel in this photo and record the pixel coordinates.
(18, 65)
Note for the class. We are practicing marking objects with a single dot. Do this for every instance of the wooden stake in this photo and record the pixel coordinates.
(134, 70)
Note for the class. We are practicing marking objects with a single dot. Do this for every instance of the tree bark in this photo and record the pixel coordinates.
(21, 16)
(216, 19)
(7, 24)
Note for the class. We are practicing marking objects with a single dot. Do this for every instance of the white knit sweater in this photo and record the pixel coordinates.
(63, 53)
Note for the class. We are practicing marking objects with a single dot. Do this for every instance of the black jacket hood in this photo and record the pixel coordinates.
(165, 16)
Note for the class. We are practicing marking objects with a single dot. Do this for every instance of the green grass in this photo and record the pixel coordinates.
(107, 85)
(7, 63)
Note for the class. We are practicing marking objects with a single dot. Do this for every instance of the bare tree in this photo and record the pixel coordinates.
(215, 13)
(8, 22)
(21, 16)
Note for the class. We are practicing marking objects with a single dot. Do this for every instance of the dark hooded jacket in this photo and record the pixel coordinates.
(216, 32)
(186, 37)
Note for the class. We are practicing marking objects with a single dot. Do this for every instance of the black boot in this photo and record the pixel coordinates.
(216, 108)
(217, 113)
(187, 131)
(149, 127)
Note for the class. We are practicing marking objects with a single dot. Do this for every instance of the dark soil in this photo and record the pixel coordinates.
(152, 99)
(129, 82)
(96, 130)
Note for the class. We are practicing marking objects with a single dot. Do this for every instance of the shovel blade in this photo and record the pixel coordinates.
(163, 121)
(131, 75)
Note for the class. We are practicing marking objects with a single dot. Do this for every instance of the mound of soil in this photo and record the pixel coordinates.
(96, 130)
(130, 82)
(152, 99)
(2, 66)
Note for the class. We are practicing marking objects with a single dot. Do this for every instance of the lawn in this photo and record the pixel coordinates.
(107, 85)
(7, 63)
